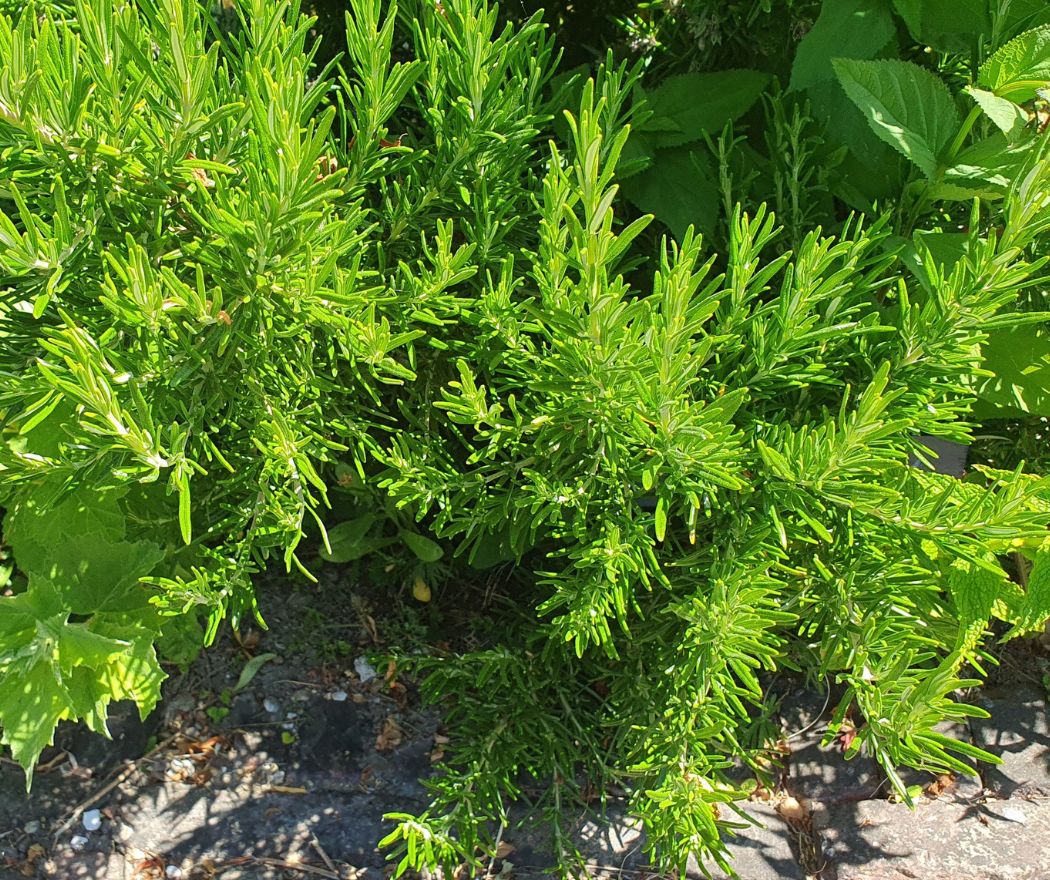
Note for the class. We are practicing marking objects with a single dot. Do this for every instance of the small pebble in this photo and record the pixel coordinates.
(340, 696)
(365, 670)
(173, 872)
(78, 842)
(31, 827)
(271, 705)
(91, 820)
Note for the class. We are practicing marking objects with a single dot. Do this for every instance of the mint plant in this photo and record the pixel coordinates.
(232, 281)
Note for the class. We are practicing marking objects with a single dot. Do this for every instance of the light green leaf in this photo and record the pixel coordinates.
(425, 549)
(1008, 117)
(135, 674)
(32, 702)
(974, 591)
(661, 518)
(78, 548)
(695, 103)
(1019, 68)
(844, 29)
(907, 106)
(679, 190)
(60, 670)
(991, 162)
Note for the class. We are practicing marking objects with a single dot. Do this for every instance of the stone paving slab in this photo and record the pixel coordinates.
(880, 840)
(759, 852)
(615, 849)
(815, 772)
(820, 773)
(1019, 733)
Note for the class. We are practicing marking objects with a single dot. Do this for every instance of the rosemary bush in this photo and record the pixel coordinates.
(229, 282)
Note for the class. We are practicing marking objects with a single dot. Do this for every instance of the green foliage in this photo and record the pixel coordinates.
(393, 305)
(861, 97)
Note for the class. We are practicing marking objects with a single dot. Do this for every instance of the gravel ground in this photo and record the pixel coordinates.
(290, 775)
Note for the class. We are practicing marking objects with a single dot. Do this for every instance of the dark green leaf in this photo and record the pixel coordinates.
(695, 103)
(423, 547)
(845, 29)
(679, 190)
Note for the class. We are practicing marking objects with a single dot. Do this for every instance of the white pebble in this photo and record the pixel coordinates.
(173, 872)
(92, 820)
(31, 827)
(365, 670)
(1013, 814)
(340, 696)
(271, 705)
(78, 842)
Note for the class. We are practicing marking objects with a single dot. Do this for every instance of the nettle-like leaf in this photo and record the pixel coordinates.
(52, 670)
(1029, 613)
(974, 591)
(859, 29)
(985, 168)
(908, 107)
(78, 563)
(79, 548)
(1021, 68)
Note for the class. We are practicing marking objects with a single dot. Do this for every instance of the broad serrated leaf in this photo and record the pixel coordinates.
(59, 670)
(1020, 68)
(679, 190)
(1007, 116)
(699, 103)
(907, 106)
(78, 548)
(844, 29)
(135, 673)
(32, 702)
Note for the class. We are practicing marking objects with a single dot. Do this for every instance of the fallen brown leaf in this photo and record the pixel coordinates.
(390, 736)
